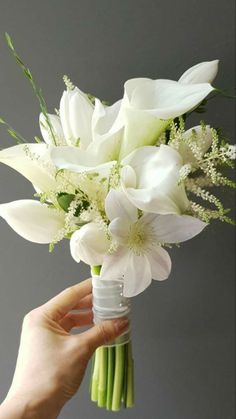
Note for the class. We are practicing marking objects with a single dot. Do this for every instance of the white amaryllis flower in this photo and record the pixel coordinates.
(76, 112)
(148, 105)
(89, 244)
(150, 180)
(204, 72)
(140, 257)
(33, 162)
(201, 137)
(103, 147)
(32, 220)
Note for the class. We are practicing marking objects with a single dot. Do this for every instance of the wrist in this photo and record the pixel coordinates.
(22, 406)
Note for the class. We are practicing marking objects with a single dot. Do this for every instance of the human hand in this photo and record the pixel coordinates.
(51, 361)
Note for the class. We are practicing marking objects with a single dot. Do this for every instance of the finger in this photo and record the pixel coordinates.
(61, 304)
(103, 333)
(72, 320)
(85, 303)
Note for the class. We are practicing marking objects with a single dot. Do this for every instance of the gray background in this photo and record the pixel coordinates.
(183, 329)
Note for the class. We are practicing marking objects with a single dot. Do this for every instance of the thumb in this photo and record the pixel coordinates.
(104, 332)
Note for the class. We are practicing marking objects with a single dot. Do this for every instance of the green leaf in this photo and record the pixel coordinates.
(64, 200)
(13, 133)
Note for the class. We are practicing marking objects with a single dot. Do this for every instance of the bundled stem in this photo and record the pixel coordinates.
(112, 380)
(112, 377)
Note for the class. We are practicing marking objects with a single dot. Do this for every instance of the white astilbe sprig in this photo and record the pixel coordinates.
(44, 163)
(68, 83)
(184, 172)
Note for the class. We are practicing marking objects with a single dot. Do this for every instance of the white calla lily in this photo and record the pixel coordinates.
(57, 129)
(148, 105)
(140, 256)
(76, 115)
(33, 162)
(89, 244)
(32, 220)
(204, 72)
(150, 180)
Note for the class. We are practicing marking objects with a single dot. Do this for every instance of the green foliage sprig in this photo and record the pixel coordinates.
(37, 90)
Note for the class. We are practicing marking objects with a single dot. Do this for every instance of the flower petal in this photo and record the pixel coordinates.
(76, 116)
(119, 228)
(89, 244)
(76, 160)
(158, 189)
(81, 111)
(175, 228)
(167, 99)
(114, 264)
(33, 162)
(160, 263)
(204, 72)
(141, 129)
(106, 136)
(135, 270)
(118, 206)
(32, 220)
(137, 276)
(57, 128)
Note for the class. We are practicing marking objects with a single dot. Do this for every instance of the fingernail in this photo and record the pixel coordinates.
(121, 324)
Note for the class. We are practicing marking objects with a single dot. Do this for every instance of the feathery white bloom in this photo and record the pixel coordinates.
(231, 152)
(199, 136)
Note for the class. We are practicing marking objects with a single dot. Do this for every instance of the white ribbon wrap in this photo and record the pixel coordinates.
(109, 303)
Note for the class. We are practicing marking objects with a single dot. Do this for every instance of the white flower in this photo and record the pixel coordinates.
(148, 105)
(89, 244)
(76, 112)
(56, 127)
(201, 137)
(104, 145)
(231, 152)
(150, 180)
(33, 162)
(140, 257)
(32, 220)
(204, 72)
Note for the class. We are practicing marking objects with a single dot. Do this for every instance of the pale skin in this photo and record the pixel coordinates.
(51, 361)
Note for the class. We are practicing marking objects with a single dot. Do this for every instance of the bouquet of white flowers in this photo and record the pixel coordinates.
(122, 183)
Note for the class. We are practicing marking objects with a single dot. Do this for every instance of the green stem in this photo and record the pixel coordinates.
(95, 269)
(130, 378)
(92, 368)
(125, 380)
(110, 376)
(102, 384)
(118, 379)
(95, 376)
